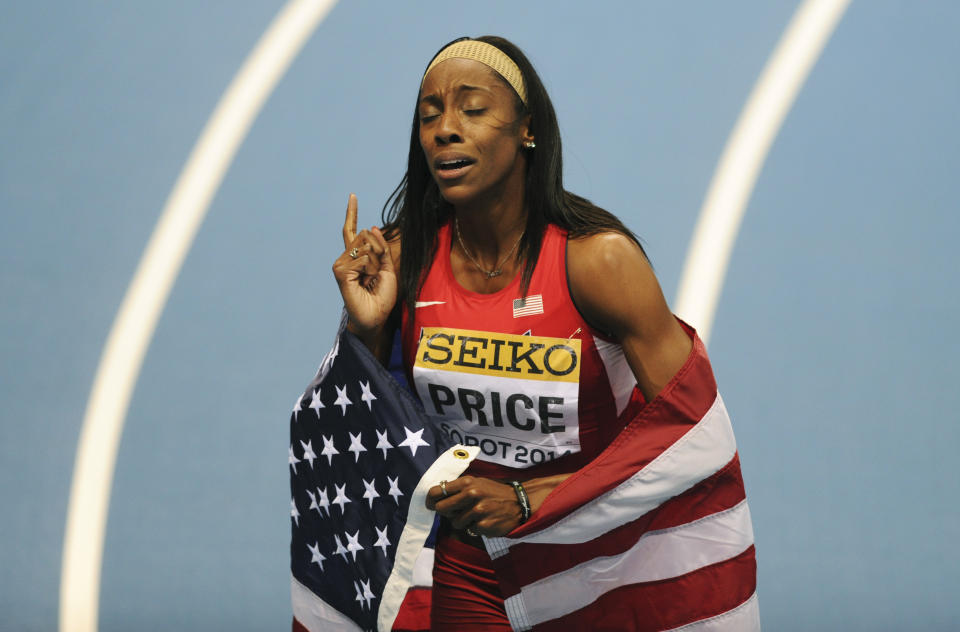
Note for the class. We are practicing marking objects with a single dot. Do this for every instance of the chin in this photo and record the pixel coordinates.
(454, 196)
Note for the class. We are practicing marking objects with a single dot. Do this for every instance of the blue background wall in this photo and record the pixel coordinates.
(833, 341)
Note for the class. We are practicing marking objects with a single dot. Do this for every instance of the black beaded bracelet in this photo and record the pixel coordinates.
(523, 500)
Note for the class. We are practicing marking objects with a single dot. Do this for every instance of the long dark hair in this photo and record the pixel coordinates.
(415, 210)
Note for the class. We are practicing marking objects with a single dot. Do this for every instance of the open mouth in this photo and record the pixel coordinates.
(453, 165)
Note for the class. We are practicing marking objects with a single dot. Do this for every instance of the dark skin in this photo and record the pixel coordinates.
(467, 112)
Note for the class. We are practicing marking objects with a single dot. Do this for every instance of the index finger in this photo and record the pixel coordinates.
(350, 223)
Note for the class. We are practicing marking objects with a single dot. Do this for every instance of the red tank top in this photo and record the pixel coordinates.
(525, 379)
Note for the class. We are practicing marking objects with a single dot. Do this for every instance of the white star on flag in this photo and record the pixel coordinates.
(356, 446)
(382, 540)
(341, 550)
(364, 602)
(342, 400)
(294, 513)
(308, 454)
(315, 402)
(341, 498)
(353, 544)
(296, 407)
(368, 395)
(324, 502)
(328, 449)
(367, 593)
(395, 489)
(383, 444)
(315, 554)
(371, 491)
(414, 440)
(293, 460)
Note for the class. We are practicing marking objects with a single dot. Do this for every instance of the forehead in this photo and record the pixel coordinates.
(451, 74)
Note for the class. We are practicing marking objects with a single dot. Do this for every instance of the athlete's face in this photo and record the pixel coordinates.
(471, 133)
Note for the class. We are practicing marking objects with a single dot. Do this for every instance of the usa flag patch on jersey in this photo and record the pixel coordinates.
(528, 306)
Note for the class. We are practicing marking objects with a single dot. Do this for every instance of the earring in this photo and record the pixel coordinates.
(529, 145)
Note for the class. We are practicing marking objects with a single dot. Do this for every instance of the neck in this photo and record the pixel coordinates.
(490, 235)
(491, 227)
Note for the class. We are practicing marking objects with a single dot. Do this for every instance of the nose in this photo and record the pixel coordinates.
(448, 129)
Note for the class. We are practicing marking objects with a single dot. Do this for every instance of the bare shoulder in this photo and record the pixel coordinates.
(608, 252)
(610, 279)
(615, 289)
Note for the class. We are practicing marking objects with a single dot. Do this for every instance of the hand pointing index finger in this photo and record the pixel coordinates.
(350, 223)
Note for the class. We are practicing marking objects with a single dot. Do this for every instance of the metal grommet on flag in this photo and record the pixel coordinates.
(461, 454)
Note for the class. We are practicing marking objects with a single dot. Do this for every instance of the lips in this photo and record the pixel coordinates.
(450, 166)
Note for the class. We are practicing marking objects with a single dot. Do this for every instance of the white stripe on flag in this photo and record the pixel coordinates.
(657, 555)
(698, 454)
(316, 614)
(423, 568)
(419, 523)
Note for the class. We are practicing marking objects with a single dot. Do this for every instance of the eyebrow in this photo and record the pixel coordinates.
(433, 98)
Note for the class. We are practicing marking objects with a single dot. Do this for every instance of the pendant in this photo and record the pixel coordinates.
(494, 273)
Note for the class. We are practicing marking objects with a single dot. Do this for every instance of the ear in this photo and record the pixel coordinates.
(525, 135)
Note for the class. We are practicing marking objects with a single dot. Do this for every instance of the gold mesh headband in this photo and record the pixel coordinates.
(486, 54)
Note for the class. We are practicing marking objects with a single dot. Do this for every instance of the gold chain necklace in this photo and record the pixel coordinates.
(490, 273)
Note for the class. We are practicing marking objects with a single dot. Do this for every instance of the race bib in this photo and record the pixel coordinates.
(515, 397)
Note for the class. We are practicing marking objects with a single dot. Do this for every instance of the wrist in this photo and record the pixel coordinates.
(370, 337)
(523, 500)
(539, 488)
(366, 334)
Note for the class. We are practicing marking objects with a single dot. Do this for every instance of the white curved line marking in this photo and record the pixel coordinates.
(145, 299)
(773, 95)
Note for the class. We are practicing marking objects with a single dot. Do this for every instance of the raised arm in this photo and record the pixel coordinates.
(366, 275)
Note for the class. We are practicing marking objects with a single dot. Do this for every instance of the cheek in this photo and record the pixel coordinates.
(490, 140)
(504, 146)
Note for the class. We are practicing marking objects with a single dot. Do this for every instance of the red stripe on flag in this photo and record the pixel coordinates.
(414, 615)
(702, 594)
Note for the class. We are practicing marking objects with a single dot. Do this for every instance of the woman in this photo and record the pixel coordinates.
(532, 323)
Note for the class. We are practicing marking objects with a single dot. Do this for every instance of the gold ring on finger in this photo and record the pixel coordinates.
(354, 252)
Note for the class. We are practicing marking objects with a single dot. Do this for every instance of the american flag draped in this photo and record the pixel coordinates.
(361, 460)
(654, 534)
